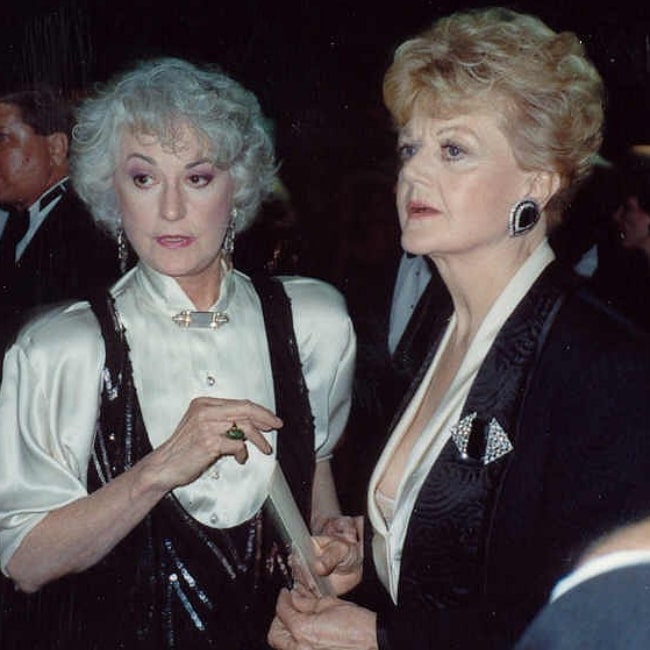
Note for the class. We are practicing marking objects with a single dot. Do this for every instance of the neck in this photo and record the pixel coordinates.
(203, 288)
(54, 179)
(476, 280)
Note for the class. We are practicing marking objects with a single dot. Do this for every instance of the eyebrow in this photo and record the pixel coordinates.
(152, 161)
(196, 163)
(407, 131)
(456, 128)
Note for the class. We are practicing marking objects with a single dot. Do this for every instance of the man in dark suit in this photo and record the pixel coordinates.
(605, 603)
(50, 248)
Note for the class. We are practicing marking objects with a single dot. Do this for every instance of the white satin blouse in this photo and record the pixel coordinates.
(49, 398)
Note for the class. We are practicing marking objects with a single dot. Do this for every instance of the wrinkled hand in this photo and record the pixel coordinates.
(200, 438)
(339, 552)
(306, 623)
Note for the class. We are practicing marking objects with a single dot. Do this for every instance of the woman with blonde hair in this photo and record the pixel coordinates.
(525, 433)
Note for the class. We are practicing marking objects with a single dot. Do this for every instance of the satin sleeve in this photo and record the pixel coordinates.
(49, 401)
(327, 345)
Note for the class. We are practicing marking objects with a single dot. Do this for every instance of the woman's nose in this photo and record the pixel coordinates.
(172, 204)
(415, 167)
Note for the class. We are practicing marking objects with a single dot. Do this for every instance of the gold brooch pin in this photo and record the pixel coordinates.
(205, 319)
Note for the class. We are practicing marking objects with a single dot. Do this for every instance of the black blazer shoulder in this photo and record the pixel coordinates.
(68, 256)
(610, 611)
(581, 466)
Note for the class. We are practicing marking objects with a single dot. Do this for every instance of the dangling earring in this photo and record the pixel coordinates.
(523, 217)
(228, 245)
(122, 250)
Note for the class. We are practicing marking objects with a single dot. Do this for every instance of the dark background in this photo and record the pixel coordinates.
(316, 67)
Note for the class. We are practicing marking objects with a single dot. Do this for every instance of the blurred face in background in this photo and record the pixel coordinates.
(29, 163)
(633, 223)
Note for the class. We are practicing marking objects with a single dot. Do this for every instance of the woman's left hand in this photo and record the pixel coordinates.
(303, 622)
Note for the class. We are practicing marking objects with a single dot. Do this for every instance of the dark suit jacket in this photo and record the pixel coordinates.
(608, 612)
(66, 258)
(486, 542)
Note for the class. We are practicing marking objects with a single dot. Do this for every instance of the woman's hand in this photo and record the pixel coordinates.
(339, 552)
(303, 622)
(76, 536)
(201, 438)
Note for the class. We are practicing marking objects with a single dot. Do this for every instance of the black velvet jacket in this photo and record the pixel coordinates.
(68, 257)
(568, 381)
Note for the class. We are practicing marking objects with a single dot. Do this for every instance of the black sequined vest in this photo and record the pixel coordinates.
(174, 582)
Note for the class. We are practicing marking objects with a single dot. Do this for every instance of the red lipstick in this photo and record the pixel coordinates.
(417, 209)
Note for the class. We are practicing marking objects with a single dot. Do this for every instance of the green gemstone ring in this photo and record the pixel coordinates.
(235, 433)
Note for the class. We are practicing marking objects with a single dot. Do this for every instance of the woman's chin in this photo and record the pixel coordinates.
(184, 266)
(415, 248)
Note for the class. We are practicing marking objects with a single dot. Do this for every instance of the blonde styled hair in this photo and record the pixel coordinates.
(550, 95)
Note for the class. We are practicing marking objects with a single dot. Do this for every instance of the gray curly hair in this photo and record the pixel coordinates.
(152, 98)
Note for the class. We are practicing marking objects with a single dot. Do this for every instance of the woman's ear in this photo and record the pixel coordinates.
(543, 186)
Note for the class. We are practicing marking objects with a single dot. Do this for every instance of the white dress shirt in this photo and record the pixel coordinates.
(36, 218)
(388, 539)
(49, 398)
(413, 275)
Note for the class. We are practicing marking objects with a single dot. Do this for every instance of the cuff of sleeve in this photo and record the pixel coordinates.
(382, 633)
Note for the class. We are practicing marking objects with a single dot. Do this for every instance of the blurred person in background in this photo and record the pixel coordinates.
(50, 247)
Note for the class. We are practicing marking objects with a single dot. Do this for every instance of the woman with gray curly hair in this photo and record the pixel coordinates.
(141, 428)
(519, 440)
